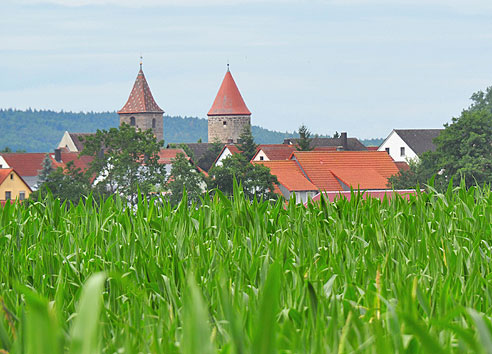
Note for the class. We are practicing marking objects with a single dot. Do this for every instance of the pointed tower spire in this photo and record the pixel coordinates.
(228, 100)
(141, 111)
(141, 99)
(229, 115)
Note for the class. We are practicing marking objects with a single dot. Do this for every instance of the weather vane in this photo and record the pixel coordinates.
(141, 61)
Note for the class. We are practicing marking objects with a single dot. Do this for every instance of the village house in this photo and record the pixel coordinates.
(404, 145)
(343, 143)
(12, 186)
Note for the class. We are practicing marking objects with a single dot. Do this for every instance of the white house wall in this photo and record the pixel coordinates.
(67, 142)
(3, 163)
(226, 153)
(261, 156)
(395, 143)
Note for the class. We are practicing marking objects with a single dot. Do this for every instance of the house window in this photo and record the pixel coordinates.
(22, 195)
(402, 151)
(153, 123)
(387, 150)
(132, 121)
(1, 166)
(11, 176)
(8, 195)
(261, 158)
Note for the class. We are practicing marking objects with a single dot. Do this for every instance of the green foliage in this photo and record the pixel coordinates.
(256, 180)
(247, 144)
(46, 169)
(366, 276)
(304, 142)
(69, 184)
(184, 176)
(126, 159)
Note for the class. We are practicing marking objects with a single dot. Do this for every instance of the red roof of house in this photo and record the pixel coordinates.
(25, 164)
(276, 151)
(141, 100)
(228, 100)
(81, 162)
(402, 165)
(356, 169)
(289, 175)
(4, 173)
(167, 155)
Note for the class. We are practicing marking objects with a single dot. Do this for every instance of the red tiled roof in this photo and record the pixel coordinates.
(358, 169)
(4, 173)
(167, 155)
(276, 151)
(288, 174)
(81, 162)
(228, 100)
(25, 164)
(140, 100)
(402, 165)
(372, 148)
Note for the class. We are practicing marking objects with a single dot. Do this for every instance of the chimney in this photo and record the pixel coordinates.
(344, 139)
(230, 141)
(58, 155)
(287, 141)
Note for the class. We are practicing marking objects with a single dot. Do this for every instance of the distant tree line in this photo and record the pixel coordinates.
(34, 130)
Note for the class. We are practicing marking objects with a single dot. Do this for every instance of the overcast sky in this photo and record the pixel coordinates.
(361, 66)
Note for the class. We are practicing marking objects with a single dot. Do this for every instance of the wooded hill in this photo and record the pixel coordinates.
(41, 130)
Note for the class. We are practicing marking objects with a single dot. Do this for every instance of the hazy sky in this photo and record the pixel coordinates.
(361, 66)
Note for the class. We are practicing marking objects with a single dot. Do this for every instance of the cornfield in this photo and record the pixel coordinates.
(234, 276)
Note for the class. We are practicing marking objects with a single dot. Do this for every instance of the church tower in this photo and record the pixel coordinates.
(229, 115)
(141, 111)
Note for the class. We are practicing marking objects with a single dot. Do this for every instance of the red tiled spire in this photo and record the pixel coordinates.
(141, 100)
(228, 100)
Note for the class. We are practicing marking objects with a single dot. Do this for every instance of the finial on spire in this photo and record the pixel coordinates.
(141, 61)
(227, 64)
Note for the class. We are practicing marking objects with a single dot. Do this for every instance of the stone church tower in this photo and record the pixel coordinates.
(141, 111)
(229, 115)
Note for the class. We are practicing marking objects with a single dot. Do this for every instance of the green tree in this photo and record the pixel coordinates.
(184, 175)
(210, 155)
(247, 143)
(304, 141)
(125, 160)
(46, 169)
(256, 180)
(69, 184)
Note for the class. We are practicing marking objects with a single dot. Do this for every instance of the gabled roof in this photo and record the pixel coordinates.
(140, 100)
(81, 162)
(199, 149)
(167, 155)
(228, 100)
(5, 172)
(232, 149)
(79, 144)
(419, 140)
(288, 175)
(276, 151)
(353, 144)
(25, 164)
(356, 169)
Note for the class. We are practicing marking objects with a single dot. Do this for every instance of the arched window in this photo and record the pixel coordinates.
(153, 123)
(132, 121)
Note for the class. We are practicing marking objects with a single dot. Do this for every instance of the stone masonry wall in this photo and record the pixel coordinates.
(143, 121)
(223, 128)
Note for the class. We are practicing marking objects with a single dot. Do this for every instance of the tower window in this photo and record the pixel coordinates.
(132, 121)
(153, 123)
(224, 123)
